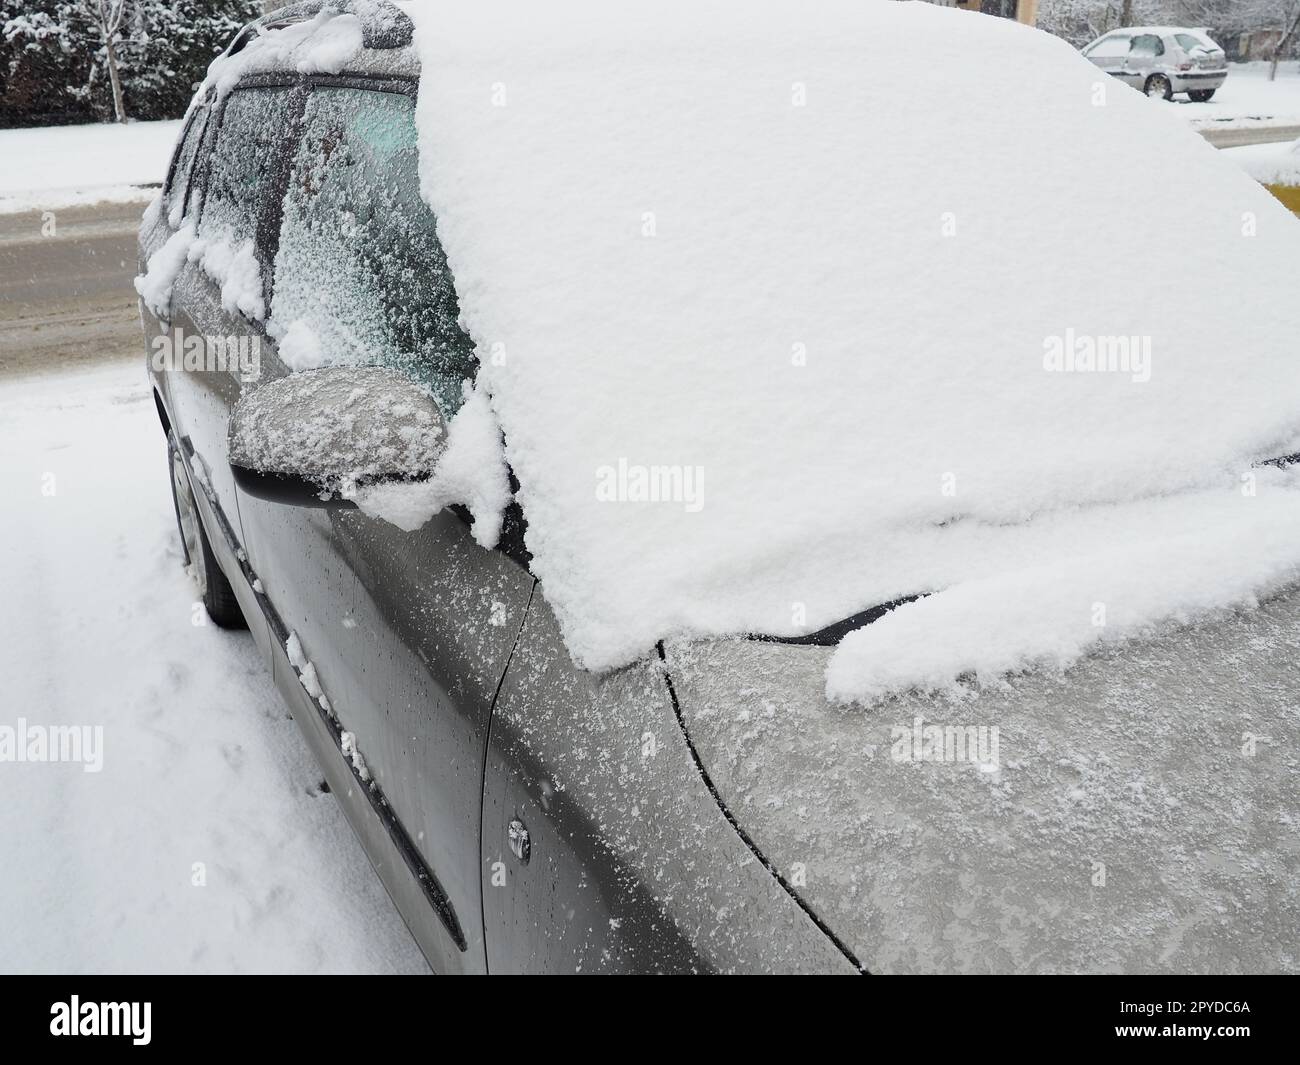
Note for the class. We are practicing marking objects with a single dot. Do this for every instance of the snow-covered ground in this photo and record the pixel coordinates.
(1247, 99)
(204, 775)
(65, 166)
(1273, 164)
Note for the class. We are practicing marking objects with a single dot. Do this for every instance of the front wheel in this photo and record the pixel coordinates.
(1159, 86)
(1200, 95)
(217, 595)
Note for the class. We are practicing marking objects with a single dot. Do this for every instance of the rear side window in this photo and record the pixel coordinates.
(241, 168)
(1115, 45)
(1148, 44)
(178, 181)
(360, 276)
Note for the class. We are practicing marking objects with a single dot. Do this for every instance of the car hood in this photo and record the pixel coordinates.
(1137, 813)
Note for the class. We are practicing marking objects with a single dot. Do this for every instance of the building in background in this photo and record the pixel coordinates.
(1025, 11)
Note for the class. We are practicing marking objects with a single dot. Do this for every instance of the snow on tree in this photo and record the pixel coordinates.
(82, 60)
(1230, 17)
(1081, 21)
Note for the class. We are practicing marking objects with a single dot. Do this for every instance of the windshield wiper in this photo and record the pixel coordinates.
(833, 634)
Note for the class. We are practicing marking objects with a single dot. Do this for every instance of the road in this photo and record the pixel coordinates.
(65, 288)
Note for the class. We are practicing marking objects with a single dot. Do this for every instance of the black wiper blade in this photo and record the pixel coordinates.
(833, 634)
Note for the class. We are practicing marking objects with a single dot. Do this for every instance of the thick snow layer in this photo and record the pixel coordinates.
(1270, 164)
(299, 347)
(67, 166)
(777, 330)
(321, 45)
(234, 267)
(205, 843)
(1050, 614)
(163, 268)
(471, 471)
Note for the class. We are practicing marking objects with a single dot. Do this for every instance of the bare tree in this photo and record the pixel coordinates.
(1288, 26)
(1281, 17)
(1080, 21)
(100, 23)
(107, 16)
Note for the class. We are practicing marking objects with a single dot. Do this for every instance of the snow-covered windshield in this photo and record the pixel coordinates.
(777, 330)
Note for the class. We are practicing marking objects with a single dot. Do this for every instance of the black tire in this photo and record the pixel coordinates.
(1159, 85)
(218, 597)
(1199, 96)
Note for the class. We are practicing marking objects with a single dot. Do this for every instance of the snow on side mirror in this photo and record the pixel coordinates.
(311, 439)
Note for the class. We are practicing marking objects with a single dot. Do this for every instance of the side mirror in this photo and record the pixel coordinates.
(312, 438)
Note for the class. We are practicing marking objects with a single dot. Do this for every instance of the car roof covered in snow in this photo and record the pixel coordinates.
(383, 25)
(1161, 31)
(366, 37)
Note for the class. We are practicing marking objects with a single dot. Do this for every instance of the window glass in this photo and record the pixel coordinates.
(1000, 8)
(1148, 44)
(1114, 45)
(176, 186)
(239, 168)
(360, 276)
(1190, 44)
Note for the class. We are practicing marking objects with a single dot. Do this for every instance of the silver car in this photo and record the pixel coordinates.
(1162, 60)
(529, 815)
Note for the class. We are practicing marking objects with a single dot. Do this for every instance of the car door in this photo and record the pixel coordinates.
(1110, 53)
(1144, 59)
(157, 228)
(199, 348)
(159, 225)
(605, 848)
(218, 299)
(408, 633)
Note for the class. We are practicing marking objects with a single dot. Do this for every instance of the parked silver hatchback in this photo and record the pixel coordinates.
(1162, 60)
